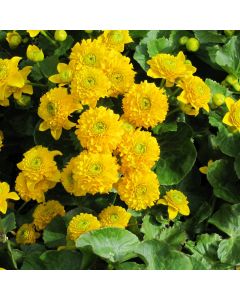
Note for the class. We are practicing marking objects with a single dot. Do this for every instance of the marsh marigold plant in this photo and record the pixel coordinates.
(117, 145)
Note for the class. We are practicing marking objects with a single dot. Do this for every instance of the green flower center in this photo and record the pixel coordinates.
(89, 82)
(51, 108)
(177, 198)
(140, 148)
(65, 76)
(90, 59)
(141, 190)
(114, 217)
(99, 128)
(36, 163)
(145, 103)
(117, 77)
(116, 36)
(95, 169)
(83, 224)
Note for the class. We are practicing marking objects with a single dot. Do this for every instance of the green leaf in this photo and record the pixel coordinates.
(237, 165)
(229, 251)
(62, 260)
(157, 46)
(174, 236)
(178, 155)
(111, 244)
(228, 57)
(141, 56)
(164, 127)
(8, 222)
(54, 235)
(228, 142)
(150, 228)
(49, 65)
(227, 219)
(32, 261)
(224, 181)
(129, 266)
(216, 88)
(159, 256)
(64, 46)
(204, 251)
(209, 36)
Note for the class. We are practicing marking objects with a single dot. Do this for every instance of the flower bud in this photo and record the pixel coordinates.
(14, 39)
(24, 101)
(60, 35)
(236, 87)
(192, 45)
(218, 99)
(88, 31)
(34, 53)
(229, 33)
(183, 40)
(231, 79)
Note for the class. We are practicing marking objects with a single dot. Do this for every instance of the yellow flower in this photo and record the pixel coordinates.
(9, 77)
(145, 105)
(115, 39)
(1, 139)
(170, 67)
(195, 93)
(204, 169)
(34, 53)
(126, 126)
(14, 39)
(114, 216)
(64, 75)
(55, 108)
(67, 177)
(176, 202)
(2, 269)
(89, 54)
(5, 194)
(138, 150)
(36, 193)
(232, 117)
(45, 212)
(33, 33)
(25, 89)
(88, 85)
(139, 189)
(26, 234)
(80, 224)
(94, 173)
(38, 164)
(120, 73)
(99, 130)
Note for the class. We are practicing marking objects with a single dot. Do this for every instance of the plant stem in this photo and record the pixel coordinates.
(47, 36)
(22, 206)
(173, 111)
(11, 255)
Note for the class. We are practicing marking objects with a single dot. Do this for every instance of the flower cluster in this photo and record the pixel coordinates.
(177, 70)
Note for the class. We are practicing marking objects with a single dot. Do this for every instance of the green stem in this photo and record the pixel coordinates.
(48, 37)
(11, 255)
(22, 206)
(162, 83)
(114, 199)
(173, 111)
(175, 92)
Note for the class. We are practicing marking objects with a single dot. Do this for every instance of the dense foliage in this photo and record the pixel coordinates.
(119, 149)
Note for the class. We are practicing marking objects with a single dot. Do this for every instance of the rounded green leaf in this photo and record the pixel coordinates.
(229, 251)
(111, 244)
(227, 219)
(177, 157)
(224, 180)
(159, 256)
